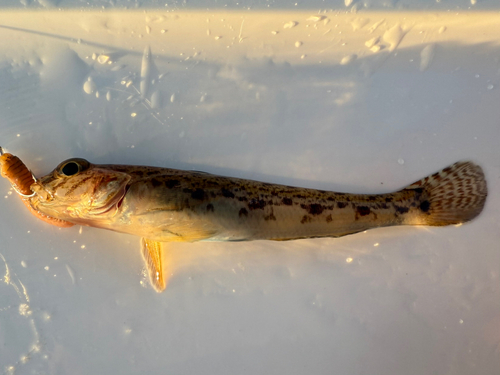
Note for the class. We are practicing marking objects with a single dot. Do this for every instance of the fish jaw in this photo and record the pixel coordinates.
(92, 195)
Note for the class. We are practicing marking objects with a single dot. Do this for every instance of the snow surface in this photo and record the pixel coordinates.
(367, 97)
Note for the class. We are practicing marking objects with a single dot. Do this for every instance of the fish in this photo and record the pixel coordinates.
(164, 205)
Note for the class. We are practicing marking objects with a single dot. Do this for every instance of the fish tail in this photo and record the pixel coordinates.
(453, 195)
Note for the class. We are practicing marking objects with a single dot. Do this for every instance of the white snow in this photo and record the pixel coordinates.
(389, 301)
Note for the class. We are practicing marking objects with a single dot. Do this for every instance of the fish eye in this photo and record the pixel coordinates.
(71, 167)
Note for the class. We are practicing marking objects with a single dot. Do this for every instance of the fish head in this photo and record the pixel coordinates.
(77, 191)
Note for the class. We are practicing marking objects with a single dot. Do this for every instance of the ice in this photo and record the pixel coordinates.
(348, 59)
(145, 72)
(156, 100)
(89, 86)
(372, 42)
(359, 23)
(103, 59)
(394, 36)
(290, 24)
(316, 18)
(24, 309)
(70, 273)
(376, 25)
(426, 56)
(402, 300)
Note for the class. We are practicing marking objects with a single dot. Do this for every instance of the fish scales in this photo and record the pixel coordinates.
(238, 209)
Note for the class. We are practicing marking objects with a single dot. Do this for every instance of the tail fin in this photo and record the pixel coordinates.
(451, 196)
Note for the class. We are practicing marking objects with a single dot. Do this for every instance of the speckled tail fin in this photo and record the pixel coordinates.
(152, 255)
(451, 196)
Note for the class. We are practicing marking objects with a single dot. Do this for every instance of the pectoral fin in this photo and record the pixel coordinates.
(152, 255)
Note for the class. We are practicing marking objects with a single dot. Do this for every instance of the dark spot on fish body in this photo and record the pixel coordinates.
(287, 201)
(210, 207)
(305, 219)
(388, 199)
(419, 190)
(270, 217)
(363, 210)
(137, 173)
(198, 194)
(243, 212)
(341, 204)
(383, 206)
(401, 209)
(425, 206)
(331, 199)
(227, 193)
(242, 199)
(315, 209)
(255, 204)
(172, 183)
(329, 218)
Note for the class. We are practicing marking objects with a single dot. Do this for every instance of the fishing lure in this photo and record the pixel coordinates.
(21, 179)
(164, 205)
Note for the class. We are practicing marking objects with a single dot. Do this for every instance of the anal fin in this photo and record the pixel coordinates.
(152, 255)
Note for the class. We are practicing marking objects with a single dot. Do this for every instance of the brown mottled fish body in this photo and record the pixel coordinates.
(173, 205)
(189, 206)
(164, 205)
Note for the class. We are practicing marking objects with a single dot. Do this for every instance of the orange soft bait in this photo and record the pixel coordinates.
(21, 179)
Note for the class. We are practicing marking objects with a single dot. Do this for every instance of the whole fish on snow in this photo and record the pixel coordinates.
(164, 205)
